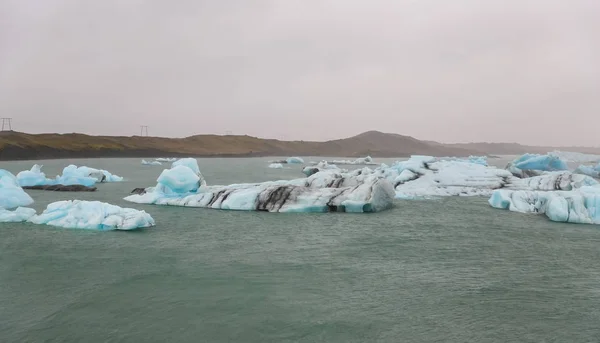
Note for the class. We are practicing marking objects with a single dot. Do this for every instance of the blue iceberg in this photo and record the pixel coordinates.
(580, 206)
(72, 175)
(534, 164)
(11, 194)
(323, 192)
(589, 170)
(294, 160)
(93, 215)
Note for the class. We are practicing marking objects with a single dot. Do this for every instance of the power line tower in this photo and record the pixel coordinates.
(144, 130)
(6, 124)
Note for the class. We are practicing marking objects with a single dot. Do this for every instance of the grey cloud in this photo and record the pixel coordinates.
(465, 70)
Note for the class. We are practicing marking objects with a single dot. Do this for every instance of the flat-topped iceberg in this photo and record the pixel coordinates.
(578, 206)
(11, 194)
(322, 192)
(359, 161)
(534, 164)
(276, 166)
(482, 160)
(151, 163)
(94, 215)
(72, 175)
(166, 159)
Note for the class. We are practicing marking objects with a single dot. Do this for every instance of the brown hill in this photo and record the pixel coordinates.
(23, 146)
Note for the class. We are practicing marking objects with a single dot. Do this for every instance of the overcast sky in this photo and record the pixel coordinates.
(453, 71)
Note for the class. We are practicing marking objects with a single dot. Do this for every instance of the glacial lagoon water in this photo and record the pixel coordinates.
(449, 270)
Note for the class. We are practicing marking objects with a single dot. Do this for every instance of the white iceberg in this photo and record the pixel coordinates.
(534, 164)
(359, 161)
(482, 160)
(578, 206)
(94, 215)
(166, 159)
(11, 194)
(151, 163)
(72, 175)
(20, 214)
(322, 192)
(276, 166)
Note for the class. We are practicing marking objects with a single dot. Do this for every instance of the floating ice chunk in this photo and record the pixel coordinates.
(327, 191)
(11, 194)
(552, 181)
(579, 206)
(323, 165)
(179, 179)
(34, 177)
(276, 166)
(294, 160)
(151, 163)
(534, 164)
(373, 195)
(77, 214)
(193, 165)
(482, 160)
(20, 214)
(166, 159)
(359, 161)
(73, 175)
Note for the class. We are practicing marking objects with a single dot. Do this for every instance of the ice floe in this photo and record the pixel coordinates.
(276, 166)
(151, 163)
(72, 175)
(94, 215)
(11, 194)
(578, 206)
(322, 192)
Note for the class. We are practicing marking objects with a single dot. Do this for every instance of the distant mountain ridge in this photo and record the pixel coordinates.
(24, 146)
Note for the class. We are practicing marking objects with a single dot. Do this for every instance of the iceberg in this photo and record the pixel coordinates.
(579, 206)
(482, 160)
(330, 191)
(323, 165)
(20, 214)
(11, 194)
(166, 159)
(151, 163)
(94, 215)
(589, 170)
(534, 164)
(276, 166)
(72, 175)
(294, 160)
(359, 161)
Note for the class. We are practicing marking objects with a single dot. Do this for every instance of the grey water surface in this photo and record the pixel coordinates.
(449, 270)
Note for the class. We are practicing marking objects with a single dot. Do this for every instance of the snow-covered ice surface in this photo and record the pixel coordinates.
(11, 194)
(94, 215)
(166, 159)
(151, 163)
(72, 175)
(482, 160)
(276, 166)
(534, 164)
(322, 192)
(578, 206)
